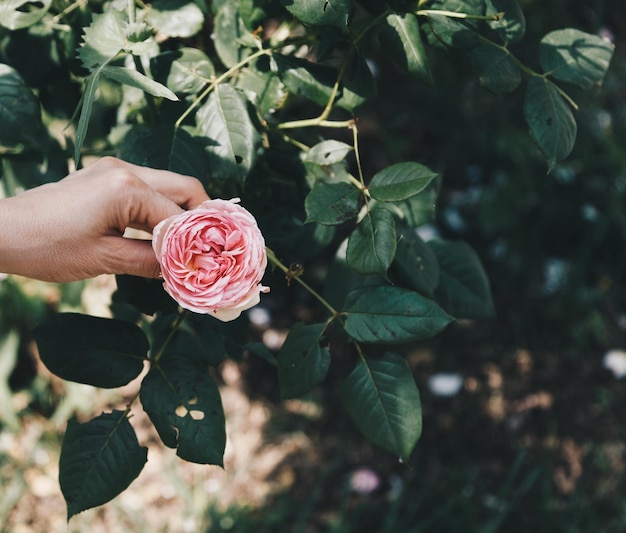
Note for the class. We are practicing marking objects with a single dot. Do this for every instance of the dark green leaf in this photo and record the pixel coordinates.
(176, 18)
(20, 115)
(144, 294)
(232, 38)
(463, 288)
(135, 79)
(184, 405)
(401, 40)
(372, 244)
(302, 362)
(17, 14)
(575, 56)
(99, 460)
(400, 181)
(321, 12)
(101, 352)
(231, 136)
(358, 84)
(328, 152)
(453, 32)
(332, 203)
(186, 70)
(381, 397)
(166, 148)
(264, 89)
(496, 70)
(415, 262)
(310, 80)
(512, 27)
(419, 210)
(552, 124)
(387, 314)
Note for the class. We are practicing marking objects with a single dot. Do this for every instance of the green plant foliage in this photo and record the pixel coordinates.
(381, 397)
(302, 361)
(321, 12)
(372, 244)
(332, 203)
(463, 288)
(400, 38)
(17, 14)
(96, 351)
(20, 115)
(551, 121)
(575, 57)
(387, 314)
(400, 181)
(99, 459)
(276, 103)
(184, 405)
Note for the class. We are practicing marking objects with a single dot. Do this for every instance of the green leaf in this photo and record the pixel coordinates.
(184, 405)
(302, 362)
(232, 137)
(575, 56)
(321, 12)
(551, 121)
(454, 33)
(372, 244)
(387, 314)
(305, 78)
(86, 105)
(400, 181)
(97, 351)
(264, 89)
(357, 84)
(99, 460)
(176, 18)
(401, 40)
(463, 288)
(166, 148)
(18, 14)
(496, 70)
(135, 79)
(232, 38)
(381, 397)
(186, 70)
(20, 115)
(415, 262)
(328, 152)
(332, 203)
(104, 38)
(512, 27)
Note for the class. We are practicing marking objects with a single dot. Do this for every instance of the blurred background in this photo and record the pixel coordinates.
(523, 414)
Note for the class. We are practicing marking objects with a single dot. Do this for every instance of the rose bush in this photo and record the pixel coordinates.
(212, 258)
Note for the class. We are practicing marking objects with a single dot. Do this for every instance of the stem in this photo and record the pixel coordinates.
(67, 10)
(455, 15)
(529, 71)
(271, 256)
(175, 326)
(308, 122)
(131, 11)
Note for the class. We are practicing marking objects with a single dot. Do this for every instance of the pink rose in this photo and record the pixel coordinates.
(212, 258)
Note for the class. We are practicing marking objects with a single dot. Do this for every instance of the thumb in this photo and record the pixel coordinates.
(135, 257)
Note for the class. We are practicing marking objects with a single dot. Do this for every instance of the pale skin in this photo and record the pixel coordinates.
(73, 229)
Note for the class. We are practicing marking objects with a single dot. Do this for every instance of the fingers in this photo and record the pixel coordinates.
(133, 256)
(185, 191)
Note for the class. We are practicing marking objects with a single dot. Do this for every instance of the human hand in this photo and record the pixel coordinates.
(73, 229)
